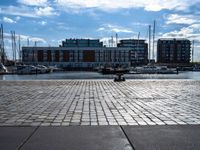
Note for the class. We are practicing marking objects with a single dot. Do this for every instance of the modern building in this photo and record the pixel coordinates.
(82, 43)
(174, 51)
(83, 53)
(139, 52)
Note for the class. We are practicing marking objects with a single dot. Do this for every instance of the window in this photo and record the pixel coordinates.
(57, 56)
(40, 56)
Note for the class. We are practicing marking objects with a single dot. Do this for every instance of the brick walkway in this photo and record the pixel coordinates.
(99, 102)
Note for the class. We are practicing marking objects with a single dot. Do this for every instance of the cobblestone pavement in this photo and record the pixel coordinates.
(99, 102)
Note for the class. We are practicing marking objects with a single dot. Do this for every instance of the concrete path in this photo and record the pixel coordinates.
(101, 138)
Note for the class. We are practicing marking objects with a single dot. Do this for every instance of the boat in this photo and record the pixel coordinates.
(106, 70)
(3, 69)
(110, 70)
(196, 68)
(26, 69)
(152, 69)
(43, 69)
(55, 69)
(29, 69)
(166, 70)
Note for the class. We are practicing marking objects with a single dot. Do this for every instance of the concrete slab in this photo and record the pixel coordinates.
(78, 138)
(12, 137)
(185, 137)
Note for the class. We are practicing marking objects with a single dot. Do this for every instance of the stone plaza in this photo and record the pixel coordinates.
(99, 102)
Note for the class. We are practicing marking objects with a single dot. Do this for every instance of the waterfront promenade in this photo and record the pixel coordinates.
(119, 112)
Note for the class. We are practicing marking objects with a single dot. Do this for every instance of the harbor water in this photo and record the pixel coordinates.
(95, 75)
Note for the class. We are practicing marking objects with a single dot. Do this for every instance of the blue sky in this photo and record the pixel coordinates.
(50, 21)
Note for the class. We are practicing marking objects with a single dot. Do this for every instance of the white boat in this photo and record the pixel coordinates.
(26, 69)
(152, 69)
(29, 69)
(196, 68)
(3, 69)
(165, 70)
(43, 69)
(54, 69)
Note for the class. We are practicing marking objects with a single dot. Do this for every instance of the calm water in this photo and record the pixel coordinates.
(95, 75)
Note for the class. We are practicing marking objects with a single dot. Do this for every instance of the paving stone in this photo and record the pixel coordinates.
(102, 102)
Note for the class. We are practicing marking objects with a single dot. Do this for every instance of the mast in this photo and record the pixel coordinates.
(2, 45)
(1, 51)
(112, 41)
(138, 45)
(154, 26)
(116, 39)
(27, 41)
(192, 51)
(15, 46)
(19, 42)
(12, 44)
(149, 42)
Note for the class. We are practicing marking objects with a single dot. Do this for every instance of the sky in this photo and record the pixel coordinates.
(48, 22)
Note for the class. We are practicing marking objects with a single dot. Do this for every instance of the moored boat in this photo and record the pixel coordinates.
(29, 69)
(152, 69)
(110, 70)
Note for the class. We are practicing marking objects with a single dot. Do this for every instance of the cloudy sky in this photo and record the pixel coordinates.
(50, 21)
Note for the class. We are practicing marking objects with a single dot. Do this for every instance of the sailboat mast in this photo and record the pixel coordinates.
(137, 48)
(192, 51)
(149, 42)
(154, 30)
(116, 39)
(2, 45)
(19, 52)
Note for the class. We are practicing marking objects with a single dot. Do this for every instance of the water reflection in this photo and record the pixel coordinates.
(95, 75)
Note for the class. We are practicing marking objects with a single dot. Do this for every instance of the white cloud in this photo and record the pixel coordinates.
(25, 37)
(192, 31)
(36, 39)
(181, 19)
(18, 11)
(25, 11)
(33, 2)
(45, 11)
(101, 29)
(139, 24)
(17, 18)
(149, 5)
(8, 20)
(114, 28)
(43, 23)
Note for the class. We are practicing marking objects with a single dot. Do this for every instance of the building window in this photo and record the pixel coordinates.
(88, 56)
(40, 56)
(49, 57)
(65, 56)
(57, 56)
